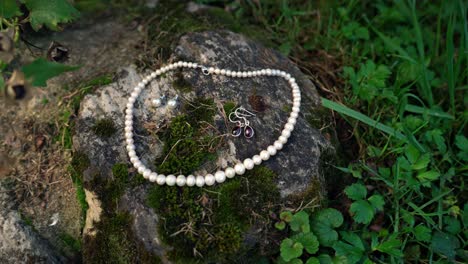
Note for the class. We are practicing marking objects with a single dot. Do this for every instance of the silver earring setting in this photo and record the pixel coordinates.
(162, 100)
(242, 124)
(159, 101)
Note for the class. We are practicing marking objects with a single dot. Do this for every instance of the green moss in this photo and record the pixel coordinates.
(70, 242)
(104, 127)
(229, 107)
(79, 163)
(180, 83)
(200, 111)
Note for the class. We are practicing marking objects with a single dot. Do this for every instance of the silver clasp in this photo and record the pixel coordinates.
(204, 69)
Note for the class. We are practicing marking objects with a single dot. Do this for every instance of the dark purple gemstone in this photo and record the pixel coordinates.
(236, 131)
(248, 132)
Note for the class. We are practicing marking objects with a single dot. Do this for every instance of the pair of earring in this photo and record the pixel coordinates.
(172, 103)
(241, 122)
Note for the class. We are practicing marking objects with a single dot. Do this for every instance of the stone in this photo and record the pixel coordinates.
(298, 164)
(18, 241)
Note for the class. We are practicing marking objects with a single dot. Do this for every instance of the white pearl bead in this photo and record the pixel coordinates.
(129, 111)
(200, 181)
(131, 153)
(161, 179)
(297, 104)
(211, 70)
(190, 180)
(170, 180)
(248, 164)
(296, 109)
(244, 74)
(209, 179)
(141, 169)
(128, 129)
(134, 94)
(223, 71)
(292, 120)
(131, 100)
(130, 147)
(146, 173)
(286, 133)
(264, 155)
(153, 177)
(157, 102)
(128, 123)
(283, 139)
(278, 145)
(271, 150)
(185, 64)
(230, 172)
(129, 141)
(228, 72)
(181, 180)
(135, 162)
(263, 72)
(220, 176)
(294, 114)
(289, 126)
(239, 168)
(128, 134)
(217, 71)
(158, 72)
(257, 160)
(268, 72)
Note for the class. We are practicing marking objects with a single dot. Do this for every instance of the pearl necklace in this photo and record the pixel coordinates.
(221, 175)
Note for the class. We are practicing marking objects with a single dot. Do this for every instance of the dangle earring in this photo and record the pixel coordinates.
(173, 102)
(242, 124)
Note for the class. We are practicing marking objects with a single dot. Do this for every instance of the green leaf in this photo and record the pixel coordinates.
(300, 222)
(308, 240)
(313, 260)
(356, 191)
(363, 118)
(462, 143)
(41, 70)
(426, 177)
(353, 250)
(50, 13)
(280, 225)
(286, 216)
(391, 246)
(323, 225)
(9, 9)
(452, 225)
(445, 244)
(2, 83)
(377, 202)
(422, 162)
(362, 211)
(422, 233)
(290, 249)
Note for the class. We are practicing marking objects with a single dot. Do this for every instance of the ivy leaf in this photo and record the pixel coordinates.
(308, 240)
(300, 222)
(362, 211)
(290, 249)
(426, 177)
(356, 191)
(353, 250)
(41, 70)
(377, 202)
(422, 233)
(50, 13)
(9, 9)
(323, 224)
(445, 244)
(391, 246)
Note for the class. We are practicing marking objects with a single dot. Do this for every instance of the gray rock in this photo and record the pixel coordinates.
(297, 165)
(18, 242)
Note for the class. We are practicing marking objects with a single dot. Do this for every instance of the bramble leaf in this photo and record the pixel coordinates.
(50, 13)
(308, 240)
(353, 250)
(300, 222)
(362, 211)
(290, 249)
(356, 191)
(323, 224)
(426, 177)
(377, 202)
(41, 70)
(9, 9)
(422, 233)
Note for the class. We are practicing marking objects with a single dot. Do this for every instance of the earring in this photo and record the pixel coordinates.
(159, 101)
(173, 102)
(241, 115)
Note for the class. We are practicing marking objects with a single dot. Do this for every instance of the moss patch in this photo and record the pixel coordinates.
(213, 221)
(104, 128)
(229, 107)
(79, 163)
(180, 83)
